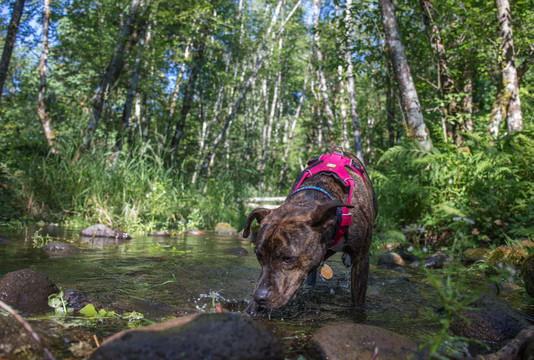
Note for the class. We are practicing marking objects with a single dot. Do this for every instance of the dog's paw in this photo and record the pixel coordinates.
(347, 261)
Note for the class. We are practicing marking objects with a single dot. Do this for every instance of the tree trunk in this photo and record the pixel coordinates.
(43, 115)
(416, 127)
(176, 90)
(446, 85)
(284, 170)
(198, 59)
(356, 132)
(250, 80)
(112, 74)
(507, 103)
(9, 44)
(320, 72)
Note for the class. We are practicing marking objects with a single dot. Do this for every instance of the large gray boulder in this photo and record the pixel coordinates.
(204, 336)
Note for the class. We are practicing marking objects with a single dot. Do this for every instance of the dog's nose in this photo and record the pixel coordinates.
(262, 295)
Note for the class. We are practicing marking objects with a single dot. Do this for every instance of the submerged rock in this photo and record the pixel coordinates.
(194, 232)
(205, 336)
(238, 251)
(101, 230)
(361, 342)
(60, 248)
(160, 233)
(490, 320)
(527, 271)
(224, 229)
(15, 340)
(27, 290)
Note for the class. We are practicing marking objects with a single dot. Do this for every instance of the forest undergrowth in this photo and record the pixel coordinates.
(483, 190)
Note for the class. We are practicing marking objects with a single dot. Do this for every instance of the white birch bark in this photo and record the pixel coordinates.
(416, 127)
(507, 104)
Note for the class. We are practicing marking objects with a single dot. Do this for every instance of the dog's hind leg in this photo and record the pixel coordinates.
(359, 277)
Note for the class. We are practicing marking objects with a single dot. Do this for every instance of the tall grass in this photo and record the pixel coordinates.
(137, 193)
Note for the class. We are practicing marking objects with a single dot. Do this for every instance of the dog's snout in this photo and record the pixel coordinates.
(262, 295)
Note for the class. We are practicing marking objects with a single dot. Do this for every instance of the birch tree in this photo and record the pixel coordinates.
(43, 114)
(9, 43)
(507, 104)
(357, 135)
(250, 80)
(111, 75)
(320, 71)
(416, 127)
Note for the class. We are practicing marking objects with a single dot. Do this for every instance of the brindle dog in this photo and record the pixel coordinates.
(293, 239)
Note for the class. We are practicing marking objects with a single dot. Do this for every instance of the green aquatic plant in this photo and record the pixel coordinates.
(57, 302)
(39, 240)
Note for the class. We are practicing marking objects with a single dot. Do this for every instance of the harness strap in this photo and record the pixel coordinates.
(335, 163)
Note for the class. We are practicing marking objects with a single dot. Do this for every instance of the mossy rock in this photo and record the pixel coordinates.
(473, 255)
(224, 229)
(507, 255)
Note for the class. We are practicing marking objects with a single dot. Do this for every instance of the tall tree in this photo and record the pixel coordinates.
(9, 44)
(350, 84)
(252, 77)
(112, 73)
(416, 126)
(320, 70)
(43, 114)
(507, 104)
(198, 59)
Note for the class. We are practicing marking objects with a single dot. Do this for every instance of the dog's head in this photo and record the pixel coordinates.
(290, 244)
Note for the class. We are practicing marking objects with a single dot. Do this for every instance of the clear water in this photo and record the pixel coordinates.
(163, 277)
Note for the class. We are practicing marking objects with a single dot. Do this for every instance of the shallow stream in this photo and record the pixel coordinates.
(165, 277)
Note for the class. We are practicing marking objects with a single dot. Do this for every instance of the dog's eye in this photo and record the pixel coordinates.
(286, 260)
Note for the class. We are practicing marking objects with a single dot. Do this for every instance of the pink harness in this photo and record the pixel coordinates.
(335, 163)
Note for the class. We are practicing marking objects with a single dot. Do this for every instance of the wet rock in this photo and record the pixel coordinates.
(527, 271)
(224, 229)
(390, 260)
(491, 320)
(60, 248)
(101, 230)
(14, 340)
(77, 300)
(238, 251)
(436, 261)
(194, 232)
(3, 240)
(507, 255)
(205, 336)
(528, 353)
(406, 255)
(27, 290)
(473, 255)
(358, 342)
(160, 233)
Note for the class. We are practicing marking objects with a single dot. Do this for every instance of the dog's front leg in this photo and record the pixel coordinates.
(252, 307)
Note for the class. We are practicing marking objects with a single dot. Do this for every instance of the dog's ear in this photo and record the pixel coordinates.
(325, 215)
(257, 214)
